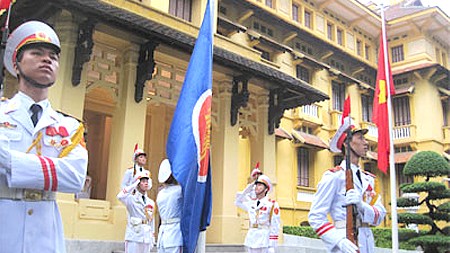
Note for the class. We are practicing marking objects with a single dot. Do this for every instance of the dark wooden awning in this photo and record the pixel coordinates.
(298, 93)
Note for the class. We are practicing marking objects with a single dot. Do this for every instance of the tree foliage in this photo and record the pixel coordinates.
(428, 164)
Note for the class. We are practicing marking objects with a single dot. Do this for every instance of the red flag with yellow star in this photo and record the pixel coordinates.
(4, 4)
(380, 108)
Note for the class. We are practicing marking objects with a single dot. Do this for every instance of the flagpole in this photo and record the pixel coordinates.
(394, 221)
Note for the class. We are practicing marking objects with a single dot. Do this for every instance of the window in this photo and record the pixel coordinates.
(330, 31)
(369, 167)
(303, 73)
(359, 47)
(269, 3)
(303, 167)
(308, 19)
(438, 55)
(397, 53)
(444, 60)
(181, 9)
(402, 114)
(295, 12)
(367, 52)
(337, 159)
(401, 178)
(340, 39)
(367, 107)
(338, 96)
(264, 54)
(263, 29)
(446, 111)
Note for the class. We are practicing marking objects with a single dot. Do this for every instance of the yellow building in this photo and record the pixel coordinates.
(282, 69)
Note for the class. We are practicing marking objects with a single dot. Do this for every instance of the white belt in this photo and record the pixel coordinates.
(343, 224)
(27, 194)
(256, 225)
(170, 221)
(138, 221)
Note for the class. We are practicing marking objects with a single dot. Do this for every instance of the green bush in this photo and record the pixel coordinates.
(305, 231)
(382, 236)
(439, 241)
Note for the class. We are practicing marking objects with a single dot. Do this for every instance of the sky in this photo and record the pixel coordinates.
(444, 5)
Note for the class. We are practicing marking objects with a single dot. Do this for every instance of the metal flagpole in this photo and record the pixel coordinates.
(393, 181)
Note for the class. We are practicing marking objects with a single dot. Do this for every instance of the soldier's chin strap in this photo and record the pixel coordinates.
(31, 81)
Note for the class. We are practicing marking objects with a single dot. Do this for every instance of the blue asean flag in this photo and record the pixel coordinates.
(188, 144)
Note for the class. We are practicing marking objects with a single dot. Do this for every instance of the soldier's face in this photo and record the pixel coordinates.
(143, 184)
(260, 189)
(141, 160)
(40, 63)
(359, 144)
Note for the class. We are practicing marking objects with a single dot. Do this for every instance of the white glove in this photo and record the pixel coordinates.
(346, 246)
(255, 173)
(5, 155)
(353, 197)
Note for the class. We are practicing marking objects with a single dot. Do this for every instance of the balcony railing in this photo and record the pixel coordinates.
(403, 134)
(309, 113)
(336, 118)
(373, 129)
(310, 110)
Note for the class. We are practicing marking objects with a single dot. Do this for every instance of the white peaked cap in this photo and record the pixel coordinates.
(165, 170)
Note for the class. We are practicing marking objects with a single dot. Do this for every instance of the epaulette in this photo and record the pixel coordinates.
(69, 115)
(368, 173)
(4, 99)
(335, 169)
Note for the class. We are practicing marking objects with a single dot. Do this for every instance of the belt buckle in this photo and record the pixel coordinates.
(144, 222)
(32, 195)
(255, 225)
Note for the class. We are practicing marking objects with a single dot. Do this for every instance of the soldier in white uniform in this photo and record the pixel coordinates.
(331, 199)
(170, 204)
(41, 151)
(139, 161)
(264, 216)
(139, 235)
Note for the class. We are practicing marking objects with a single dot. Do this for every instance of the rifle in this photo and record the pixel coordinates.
(351, 229)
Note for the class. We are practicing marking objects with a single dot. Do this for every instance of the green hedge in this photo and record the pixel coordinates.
(382, 236)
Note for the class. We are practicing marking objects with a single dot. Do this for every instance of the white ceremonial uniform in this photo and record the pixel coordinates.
(170, 203)
(264, 220)
(128, 176)
(330, 199)
(29, 216)
(139, 234)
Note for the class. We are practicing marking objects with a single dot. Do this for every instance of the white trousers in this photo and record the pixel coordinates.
(258, 250)
(171, 250)
(137, 247)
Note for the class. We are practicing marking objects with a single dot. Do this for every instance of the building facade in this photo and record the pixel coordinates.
(282, 69)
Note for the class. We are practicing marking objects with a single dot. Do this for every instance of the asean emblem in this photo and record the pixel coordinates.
(201, 126)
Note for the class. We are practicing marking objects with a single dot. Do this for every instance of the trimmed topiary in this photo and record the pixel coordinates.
(423, 187)
(428, 164)
(407, 202)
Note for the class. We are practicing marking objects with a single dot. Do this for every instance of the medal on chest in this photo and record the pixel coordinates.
(57, 137)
